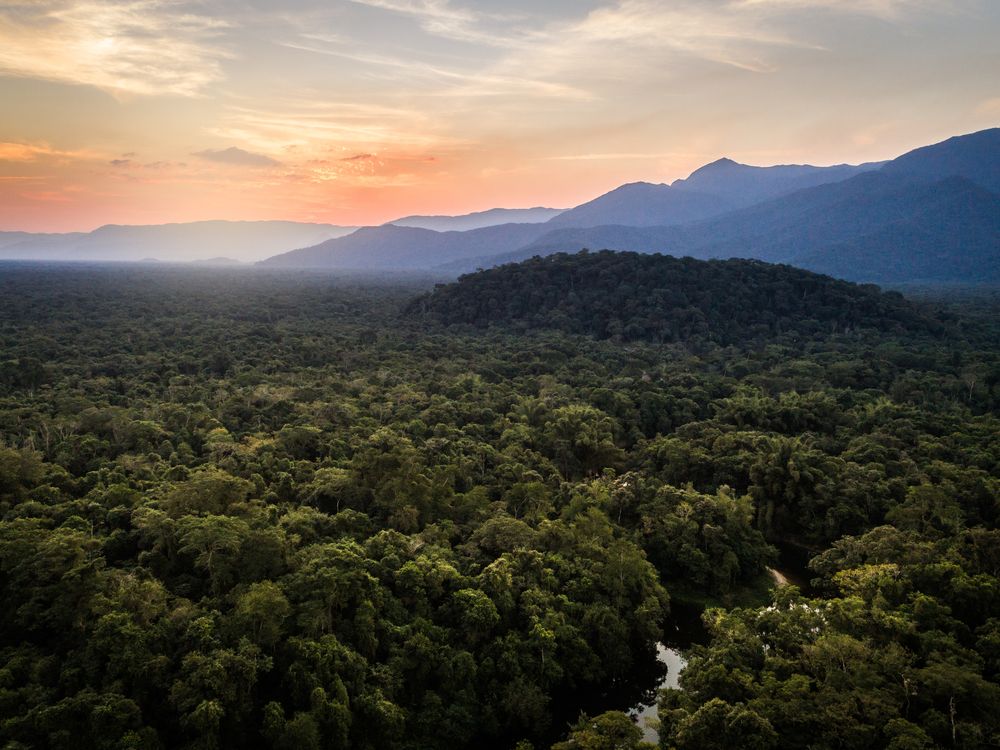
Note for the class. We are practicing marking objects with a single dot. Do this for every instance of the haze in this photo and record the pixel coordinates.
(358, 112)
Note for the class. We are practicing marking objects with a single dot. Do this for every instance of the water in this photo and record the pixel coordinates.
(687, 631)
(645, 714)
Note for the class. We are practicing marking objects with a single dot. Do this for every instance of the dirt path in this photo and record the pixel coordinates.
(778, 576)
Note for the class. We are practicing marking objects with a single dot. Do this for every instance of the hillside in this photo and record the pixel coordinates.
(633, 296)
(975, 156)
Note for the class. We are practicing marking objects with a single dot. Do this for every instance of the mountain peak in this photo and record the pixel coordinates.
(719, 165)
(725, 161)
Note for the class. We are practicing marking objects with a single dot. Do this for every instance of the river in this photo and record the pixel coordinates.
(688, 631)
(645, 714)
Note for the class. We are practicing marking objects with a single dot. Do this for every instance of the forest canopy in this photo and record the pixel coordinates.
(281, 510)
(662, 299)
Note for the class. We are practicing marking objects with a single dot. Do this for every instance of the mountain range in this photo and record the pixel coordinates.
(208, 242)
(932, 214)
(177, 243)
(479, 219)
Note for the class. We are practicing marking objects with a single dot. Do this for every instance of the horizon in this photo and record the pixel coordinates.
(476, 211)
(141, 112)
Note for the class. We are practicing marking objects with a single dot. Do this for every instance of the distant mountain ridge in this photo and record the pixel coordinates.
(632, 205)
(745, 185)
(192, 241)
(929, 215)
(712, 190)
(392, 248)
(479, 219)
(975, 156)
(643, 204)
(932, 214)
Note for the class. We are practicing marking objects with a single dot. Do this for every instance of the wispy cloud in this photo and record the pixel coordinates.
(377, 107)
(454, 82)
(237, 157)
(307, 122)
(441, 18)
(28, 152)
(122, 46)
(886, 9)
(627, 33)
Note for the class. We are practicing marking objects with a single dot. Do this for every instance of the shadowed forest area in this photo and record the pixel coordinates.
(263, 509)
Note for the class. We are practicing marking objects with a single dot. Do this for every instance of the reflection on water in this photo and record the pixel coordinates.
(686, 631)
(645, 713)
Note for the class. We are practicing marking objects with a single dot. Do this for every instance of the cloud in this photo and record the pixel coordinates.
(25, 152)
(358, 157)
(237, 157)
(646, 41)
(21, 152)
(120, 162)
(440, 18)
(644, 32)
(122, 46)
(454, 82)
(305, 119)
(886, 9)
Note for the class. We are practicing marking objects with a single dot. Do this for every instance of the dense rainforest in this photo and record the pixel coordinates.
(271, 509)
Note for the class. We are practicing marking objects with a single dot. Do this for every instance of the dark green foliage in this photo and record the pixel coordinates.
(354, 529)
(634, 297)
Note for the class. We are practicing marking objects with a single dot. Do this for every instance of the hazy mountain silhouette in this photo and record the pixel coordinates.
(241, 240)
(479, 219)
(975, 156)
(874, 227)
(928, 215)
(711, 190)
(7, 239)
(388, 247)
(727, 185)
(642, 204)
(931, 214)
(745, 185)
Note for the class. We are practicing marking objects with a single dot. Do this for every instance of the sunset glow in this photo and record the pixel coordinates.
(355, 112)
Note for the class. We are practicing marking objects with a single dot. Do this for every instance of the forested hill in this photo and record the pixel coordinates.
(635, 296)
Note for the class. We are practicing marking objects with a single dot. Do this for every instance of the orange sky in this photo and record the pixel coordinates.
(360, 111)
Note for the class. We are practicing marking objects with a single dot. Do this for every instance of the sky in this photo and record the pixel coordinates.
(360, 111)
